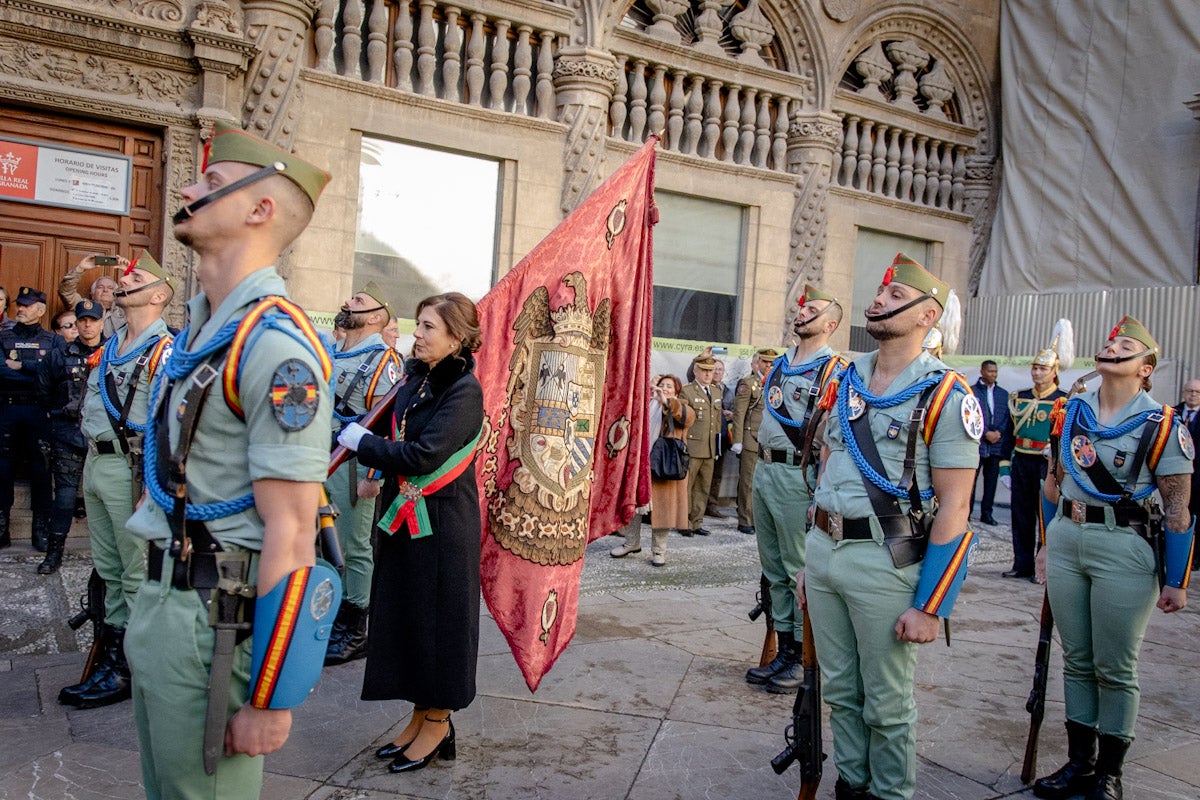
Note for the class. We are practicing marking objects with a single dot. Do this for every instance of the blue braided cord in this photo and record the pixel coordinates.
(367, 348)
(781, 364)
(886, 401)
(105, 363)
(860, 461)
(183, 361)
(1067, 458)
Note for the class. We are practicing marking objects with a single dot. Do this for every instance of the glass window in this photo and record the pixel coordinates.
(427, 222)
(698, 247)
(873, 251)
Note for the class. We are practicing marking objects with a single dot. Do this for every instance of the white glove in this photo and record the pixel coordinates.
(736, 449)
(351, 435)
(1007, 481)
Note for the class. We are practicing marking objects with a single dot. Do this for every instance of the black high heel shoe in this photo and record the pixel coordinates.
(391, 750)
(446, 750)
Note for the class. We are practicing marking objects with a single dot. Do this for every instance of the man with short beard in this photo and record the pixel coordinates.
(364, 369)
(102, 292)
(62, 380)
(781, 490)
(902, 436)
(114, 418)
(25, 345)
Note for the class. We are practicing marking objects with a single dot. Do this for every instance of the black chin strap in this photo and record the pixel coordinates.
(895, 311)
(814, 318)
(1120, 359)
(127, 292)
(190, 210)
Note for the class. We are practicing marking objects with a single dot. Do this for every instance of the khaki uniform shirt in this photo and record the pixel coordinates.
(748, 412)
(382, 363)
(793, 396)
(96, 424)
(702, 436)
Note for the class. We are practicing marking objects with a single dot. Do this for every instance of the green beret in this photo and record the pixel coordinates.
(373, 291)
(769, 353)
(1128, 326)
(146, 263)
(909, 271)
(231, 143)
(813, 293)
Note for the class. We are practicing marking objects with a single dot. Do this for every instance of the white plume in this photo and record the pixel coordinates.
(1063, 338)
(951, 323)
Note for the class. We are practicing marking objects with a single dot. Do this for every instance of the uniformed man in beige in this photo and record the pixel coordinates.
(702, 443)
(236, 449)
(747, 416)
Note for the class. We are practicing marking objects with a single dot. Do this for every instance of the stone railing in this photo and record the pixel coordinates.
(455, 52)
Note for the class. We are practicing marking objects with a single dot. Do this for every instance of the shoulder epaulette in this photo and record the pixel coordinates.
(156, 354)
(241, 337)
(1161, 437)
(389, 357)
(945, 388)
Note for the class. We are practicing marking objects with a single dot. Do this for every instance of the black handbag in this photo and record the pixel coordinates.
(669, 457)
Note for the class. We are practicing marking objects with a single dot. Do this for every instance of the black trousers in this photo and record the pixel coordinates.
(21, 430)
(66, 467)
(1028, 472)
(990, 467)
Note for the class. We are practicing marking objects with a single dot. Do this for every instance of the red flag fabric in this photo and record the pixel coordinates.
(565, 369)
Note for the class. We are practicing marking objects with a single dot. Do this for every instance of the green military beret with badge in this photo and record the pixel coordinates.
(812, 293)
(146, 263)
(910, 272)
(373, 291)
(89, 309)
(231, 143)
(1131, 328)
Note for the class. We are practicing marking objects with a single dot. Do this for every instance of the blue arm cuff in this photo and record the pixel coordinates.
(1179, 556)
(374, 474)
(942, 574)
(292, 623)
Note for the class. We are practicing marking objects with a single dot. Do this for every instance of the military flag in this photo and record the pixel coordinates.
(565, 368)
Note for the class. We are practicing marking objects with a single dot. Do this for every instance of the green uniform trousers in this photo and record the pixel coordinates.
(781, 503)
(118, 556)
(855, 595)
(1102, 588)
(169, 646)
(700, 475)
(354, 533)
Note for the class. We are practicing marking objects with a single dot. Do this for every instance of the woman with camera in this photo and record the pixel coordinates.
(669, 416)
(425, 592)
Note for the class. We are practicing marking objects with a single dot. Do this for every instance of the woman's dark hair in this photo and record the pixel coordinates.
(458, 312)
(1152, 360)
(678, 384)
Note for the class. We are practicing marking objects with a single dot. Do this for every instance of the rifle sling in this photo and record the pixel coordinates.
(795, 434)
(1103, 480)
(342, 404)
(119, 425)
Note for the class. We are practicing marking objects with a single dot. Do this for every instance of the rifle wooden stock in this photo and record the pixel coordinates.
(807, 715)
(1036, 704)
(369, 420)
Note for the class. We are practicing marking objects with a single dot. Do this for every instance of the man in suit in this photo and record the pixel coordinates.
(997, 433)
(1189, 412)
(702, 439)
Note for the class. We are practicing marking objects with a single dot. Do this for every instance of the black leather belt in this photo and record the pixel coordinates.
(1080, 513)
(789, 457)
(839, 527)
(198, 572)
(107, 448)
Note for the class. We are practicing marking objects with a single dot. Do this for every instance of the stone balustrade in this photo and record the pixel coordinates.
(457, 52)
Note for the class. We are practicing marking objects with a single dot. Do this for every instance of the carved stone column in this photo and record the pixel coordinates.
(272, 92)
(220, 48)
(584, 80)
(814, 141)
(980, 196)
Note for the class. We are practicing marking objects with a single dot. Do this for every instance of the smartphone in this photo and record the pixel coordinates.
(105, 261)
(717, 351)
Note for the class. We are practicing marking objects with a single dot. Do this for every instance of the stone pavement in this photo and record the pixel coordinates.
(648, 701)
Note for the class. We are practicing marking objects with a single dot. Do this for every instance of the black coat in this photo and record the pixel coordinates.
(424, 617)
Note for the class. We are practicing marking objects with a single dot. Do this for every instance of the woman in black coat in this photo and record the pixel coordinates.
(425, 595)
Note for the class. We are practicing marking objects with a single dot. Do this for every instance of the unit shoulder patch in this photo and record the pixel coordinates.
(1185, 442)
(972, 416)
(294, 395)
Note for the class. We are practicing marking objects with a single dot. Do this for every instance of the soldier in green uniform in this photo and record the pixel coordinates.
(782, 490)
(1117, 447)
(747, 416)
(1030, 411)
(114, 419)
(878, 575)
(236, 450)
(364, 369)
(702, 442)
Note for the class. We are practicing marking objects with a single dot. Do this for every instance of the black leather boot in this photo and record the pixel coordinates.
(41, 532)
(1108, 768)
(844, 791)
(337, 634)
(54, 554)
(788, 679)
(110, 684)
(5, 540)
(352, 645)
(760, 675)
(1078, 775)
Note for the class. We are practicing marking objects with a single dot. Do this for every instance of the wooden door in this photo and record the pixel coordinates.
(39, 244)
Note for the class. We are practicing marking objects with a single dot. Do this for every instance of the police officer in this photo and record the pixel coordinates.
(114, 419)
(1117, 447)
(22, 421)
(702, 438)
(61, 382)
(747, 416)
(781, 492)
(364, 369)
(1030, 411)
(864, 551)
(236, 449)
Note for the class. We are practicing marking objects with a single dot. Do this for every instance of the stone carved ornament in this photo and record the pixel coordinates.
(158, 10)
(95, 73)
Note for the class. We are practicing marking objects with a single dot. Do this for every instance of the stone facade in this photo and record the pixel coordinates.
(820, 119)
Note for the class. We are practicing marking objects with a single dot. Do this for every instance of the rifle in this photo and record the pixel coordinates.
(762, 605)
(369, 420)
(330, 548)
(91, 607)
(803, 736)
(1036, 704)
